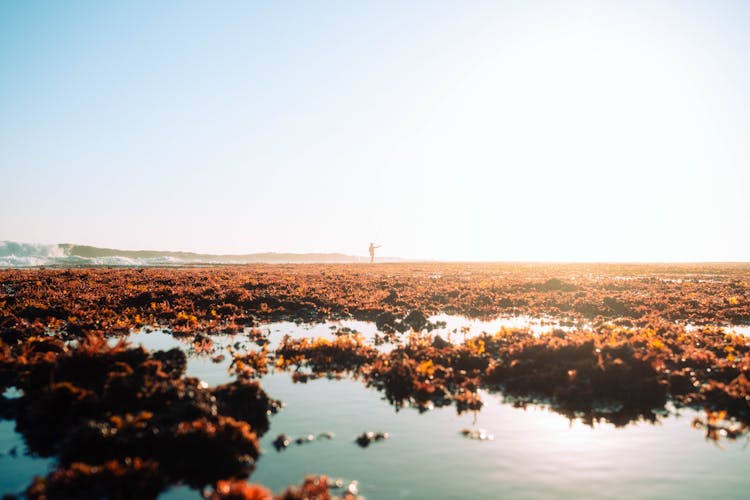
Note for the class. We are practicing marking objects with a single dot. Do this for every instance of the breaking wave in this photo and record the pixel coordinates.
(13, 254)
(17, 255)
(21, 255)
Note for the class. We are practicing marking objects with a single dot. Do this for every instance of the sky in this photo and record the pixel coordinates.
(441, 130)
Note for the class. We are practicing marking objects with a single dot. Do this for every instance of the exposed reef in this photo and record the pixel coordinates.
(120, 420)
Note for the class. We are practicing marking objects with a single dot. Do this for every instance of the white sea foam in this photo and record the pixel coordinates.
(14, 254)
(20, 255)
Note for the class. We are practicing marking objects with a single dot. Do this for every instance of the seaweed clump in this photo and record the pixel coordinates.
(312, 488)
(616, 372)
(114, 415)
(425, 373)
(129, 478)
(345, 354)
(578, 375)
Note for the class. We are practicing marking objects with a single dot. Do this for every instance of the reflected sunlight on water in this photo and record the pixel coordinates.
(458, 328)
(536, 453)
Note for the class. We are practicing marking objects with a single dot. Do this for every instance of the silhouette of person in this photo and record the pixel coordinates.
(373, 246)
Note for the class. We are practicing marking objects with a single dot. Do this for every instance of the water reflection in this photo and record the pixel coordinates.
(210, 359)
(738, 329)
(535, 453)
(456, 329)
(17, 467)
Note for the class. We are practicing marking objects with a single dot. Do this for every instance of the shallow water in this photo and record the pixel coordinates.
(17, 467)
(738, 329)
(535, 453)
(458, 328)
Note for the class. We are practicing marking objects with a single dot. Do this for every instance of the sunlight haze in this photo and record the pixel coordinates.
(560, 131)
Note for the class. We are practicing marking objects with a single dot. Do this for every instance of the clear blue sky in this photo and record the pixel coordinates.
(442, 130)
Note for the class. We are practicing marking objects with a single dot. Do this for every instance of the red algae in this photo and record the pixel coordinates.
(312, 488)
(128, 478)
(395, 296)
(614, 372)
(346, 353)
(239, 490)
(95, 406)
(123, 419)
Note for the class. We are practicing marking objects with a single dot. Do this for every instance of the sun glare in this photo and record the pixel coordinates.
(577, 141)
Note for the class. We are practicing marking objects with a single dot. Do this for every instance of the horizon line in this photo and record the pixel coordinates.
(393, 258)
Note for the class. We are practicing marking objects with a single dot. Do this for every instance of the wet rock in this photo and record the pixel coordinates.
(309, 438)
(364, 439)
(281, 442)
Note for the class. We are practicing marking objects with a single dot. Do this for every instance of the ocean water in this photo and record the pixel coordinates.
(20, 255)
(14, 254)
